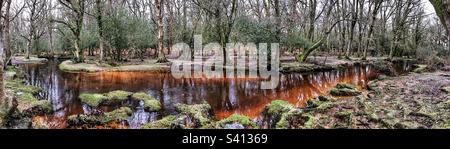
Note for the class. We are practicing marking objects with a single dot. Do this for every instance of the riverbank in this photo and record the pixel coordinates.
(287, 65)
(318, 64)
(22, 102)
(31, 60)
(146, 65)
(416, 100)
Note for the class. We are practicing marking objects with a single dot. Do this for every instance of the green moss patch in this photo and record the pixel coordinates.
(164, 123)
(236, 118)
(118, 96)
(118, 115)
(150, 103)
(199, 113)
(295, 119)
(278, 106)
(93, 100)
(343, 89)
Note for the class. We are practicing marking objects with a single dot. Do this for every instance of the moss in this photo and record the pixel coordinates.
(121, 114)
(326, 98)
(118, 96)
(278, 106)
(420, 68)
(150, 103)
(45, 105)
(344, 114)
(141, 96)
(296, 119)
(325, 106)
(69, 66)
(426, 112)
(93, 100)
(164, 123)
(199, 113)
(344, 92)
(343, 89)
(345, 86)
(17, 85)
(236, 118)
(28, 103)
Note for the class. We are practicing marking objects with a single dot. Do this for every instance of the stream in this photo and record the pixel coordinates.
(226, 96)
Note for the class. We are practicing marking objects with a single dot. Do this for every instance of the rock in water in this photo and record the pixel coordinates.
(343, 89)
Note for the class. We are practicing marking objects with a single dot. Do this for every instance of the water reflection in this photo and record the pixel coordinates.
(226, 96)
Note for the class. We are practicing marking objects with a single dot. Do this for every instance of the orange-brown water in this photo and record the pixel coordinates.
(226, 96)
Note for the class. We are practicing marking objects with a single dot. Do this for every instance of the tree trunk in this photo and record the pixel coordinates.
(2, 85)
(442, 8)
(377, 6)
(312, 18)
(352, 28)
(7, 35)
(161, 57)
(100, 27)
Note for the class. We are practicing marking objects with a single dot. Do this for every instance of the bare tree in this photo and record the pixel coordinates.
(35, 21)
(442, 8)
(74, 21)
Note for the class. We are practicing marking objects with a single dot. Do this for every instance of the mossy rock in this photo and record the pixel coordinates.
(141, 96)
(239, 119)
(164, 123)
(326, 98)
(420, 68)
(84, 120)
(344, 114)
(30, 105)
(296, 119)
(345, 86)
(325, 106)
(93, 100)
(344, 92)
(200, 114)
(150, 103)
(118, 96)
(277, 107)
(17, 85)
(344, 89)
(425, 111)
(119, 115)
(273, 112)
